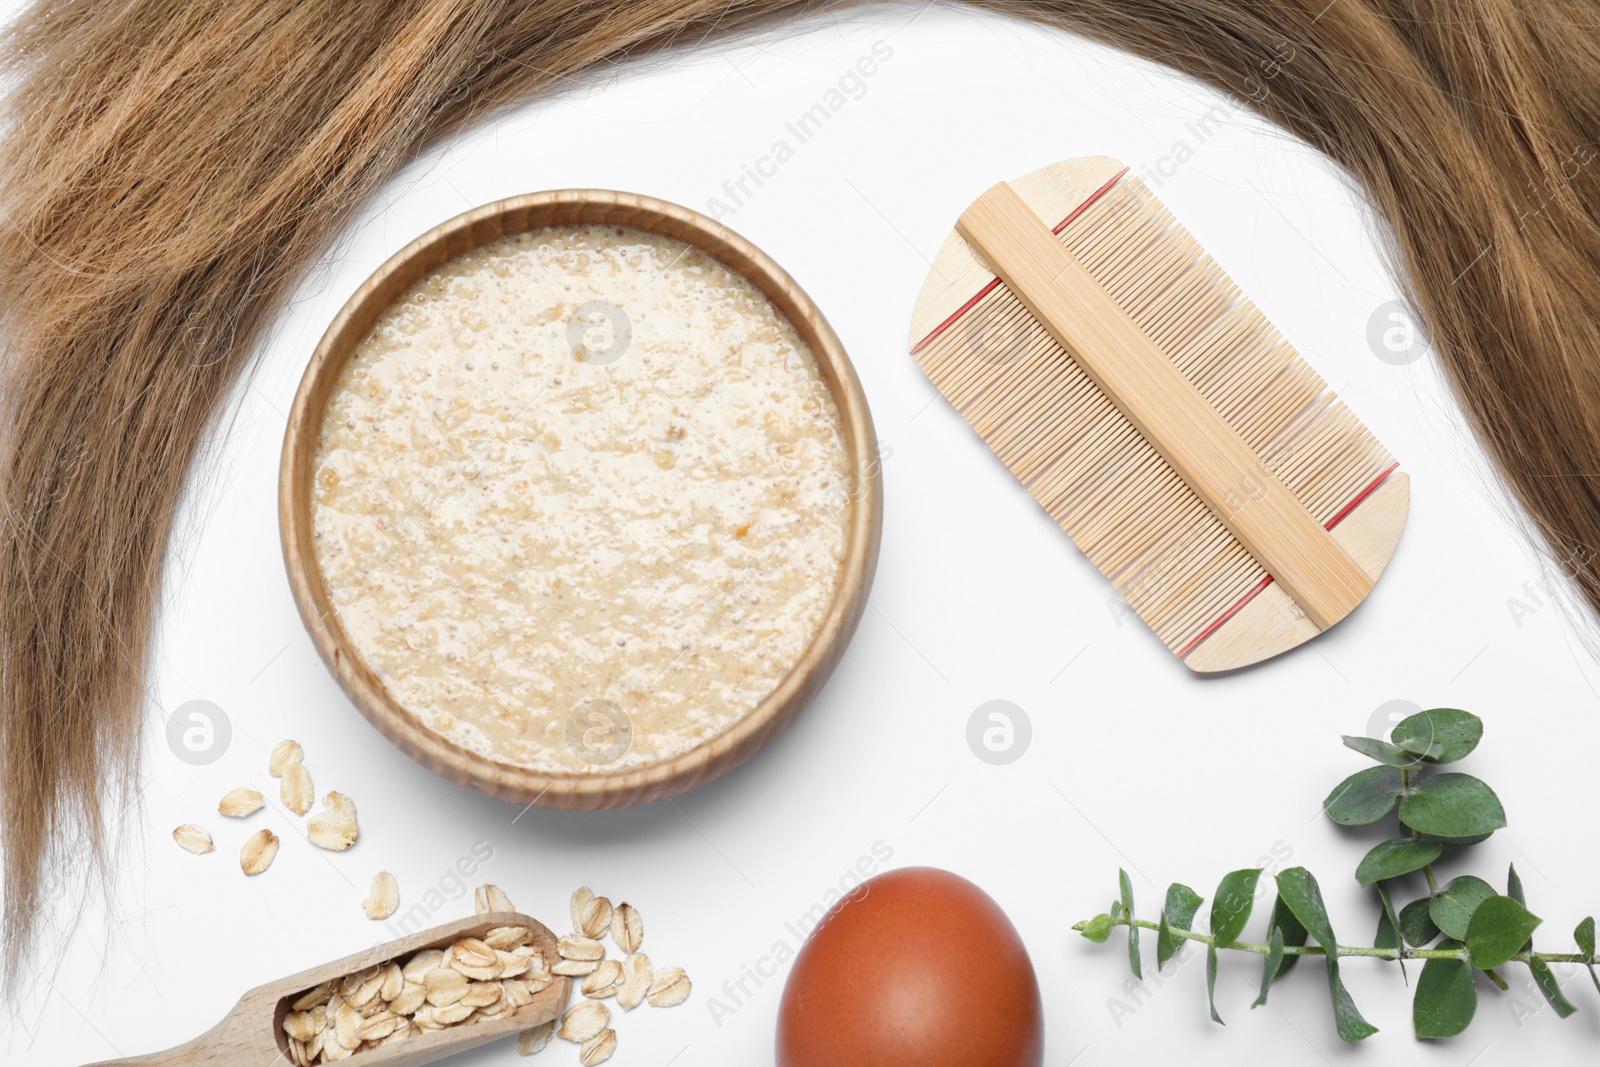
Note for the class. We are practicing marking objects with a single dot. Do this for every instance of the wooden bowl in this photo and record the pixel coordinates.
(598, 788)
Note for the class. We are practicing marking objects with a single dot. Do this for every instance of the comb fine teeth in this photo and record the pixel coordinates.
(1167, 554)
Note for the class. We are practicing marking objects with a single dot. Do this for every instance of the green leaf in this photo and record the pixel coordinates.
(1446, 998)
(1389, 928)
(1388, 935)
(1294, 933)
(1454, 731)
(1397, 856)
(1586, 943)
(1133, 931)
(1514, 891)
(1545, 979)
(1299, 889)
(1452, 805)
(1097, 929)
(1351, 1026)
(1385, 753)
(1416, 924)
(1211, 983)
(1182, 903)
(1230, 908)
(1274, 961)
(1364, 797)
(1499, 928)
(1451, 908)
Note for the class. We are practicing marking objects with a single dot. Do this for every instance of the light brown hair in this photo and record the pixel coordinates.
(170, 169)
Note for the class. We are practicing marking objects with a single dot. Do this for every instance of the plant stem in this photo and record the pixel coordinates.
(1433, 883)
(1353, 950)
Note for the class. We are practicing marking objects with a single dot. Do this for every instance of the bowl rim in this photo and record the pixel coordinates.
(597, 789)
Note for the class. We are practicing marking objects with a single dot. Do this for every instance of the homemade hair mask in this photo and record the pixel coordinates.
(582, 501)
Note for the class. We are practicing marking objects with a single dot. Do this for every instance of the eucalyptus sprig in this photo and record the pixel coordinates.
(1456, 929)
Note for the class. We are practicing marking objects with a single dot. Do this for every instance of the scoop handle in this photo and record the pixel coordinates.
(228, 1042)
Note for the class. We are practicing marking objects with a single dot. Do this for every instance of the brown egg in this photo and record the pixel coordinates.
(918, 967)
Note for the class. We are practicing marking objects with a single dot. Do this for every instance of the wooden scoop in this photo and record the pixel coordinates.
(253, 1033)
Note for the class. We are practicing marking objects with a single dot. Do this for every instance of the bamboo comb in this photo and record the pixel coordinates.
(1158, 417)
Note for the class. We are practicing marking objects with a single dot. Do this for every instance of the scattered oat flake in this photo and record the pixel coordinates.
(636, 979)
(627, 927)
(591, 915)
(580, 899)
(296, 790)
(383, 898)
(490, 898)
(602, 981)
(193, 838)
(284, 753)
(583, 1020)
(534, 1040)
(669, 988)
(238, 803)
(258, 852)
(598, 1048)
(334, 828)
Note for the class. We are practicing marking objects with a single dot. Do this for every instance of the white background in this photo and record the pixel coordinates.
(1135, 762)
